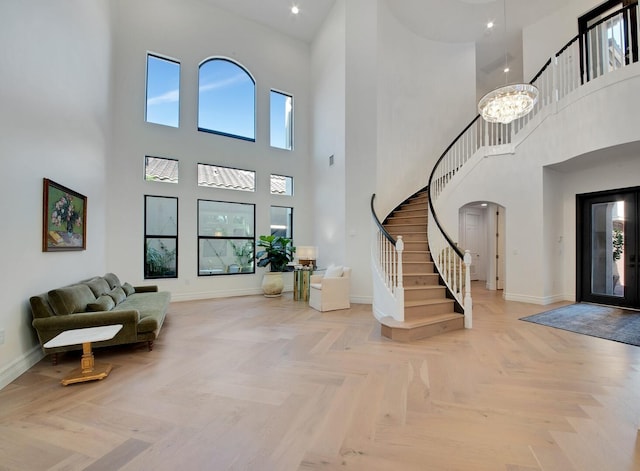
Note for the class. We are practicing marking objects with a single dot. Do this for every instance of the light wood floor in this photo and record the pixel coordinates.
(269, 384)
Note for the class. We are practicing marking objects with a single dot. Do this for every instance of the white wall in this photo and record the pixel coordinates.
(192, 31)
(361, 144)
(545, 38)
(328, 78)
(426, 95)
(54, 123)
(606, 169)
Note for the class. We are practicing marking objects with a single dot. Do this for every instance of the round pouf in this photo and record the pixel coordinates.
(272, 284)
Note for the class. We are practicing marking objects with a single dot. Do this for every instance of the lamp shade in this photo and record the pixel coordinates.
(307, 252)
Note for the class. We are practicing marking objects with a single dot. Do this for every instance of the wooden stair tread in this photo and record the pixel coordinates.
(422, 321)
(428, 311)
(428, 302)
(424, 287)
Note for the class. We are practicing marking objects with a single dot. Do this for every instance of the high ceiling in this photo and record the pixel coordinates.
(442, 20)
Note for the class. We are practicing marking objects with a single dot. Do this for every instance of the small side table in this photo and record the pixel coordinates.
(301, 284)
(89, 370)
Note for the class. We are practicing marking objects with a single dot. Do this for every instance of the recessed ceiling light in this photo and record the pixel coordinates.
(506, 69)
(490, 25)
(295, 10)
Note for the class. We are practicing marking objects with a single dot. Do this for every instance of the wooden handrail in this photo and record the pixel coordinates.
(388, 236)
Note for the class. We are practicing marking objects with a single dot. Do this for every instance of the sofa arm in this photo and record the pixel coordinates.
(146, 289)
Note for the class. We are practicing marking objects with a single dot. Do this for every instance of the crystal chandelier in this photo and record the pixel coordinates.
(510, 102)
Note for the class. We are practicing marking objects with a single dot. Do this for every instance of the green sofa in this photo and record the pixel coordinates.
(100, 301)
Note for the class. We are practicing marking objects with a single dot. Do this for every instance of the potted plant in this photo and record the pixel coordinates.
(276, 252)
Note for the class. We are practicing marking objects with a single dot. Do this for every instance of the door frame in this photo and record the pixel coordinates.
(583, 249)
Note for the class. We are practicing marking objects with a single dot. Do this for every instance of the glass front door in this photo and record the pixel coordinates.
(608, 248)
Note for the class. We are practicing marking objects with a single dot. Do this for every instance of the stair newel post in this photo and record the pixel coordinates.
(399, 289)
(468, 304)
(399, 250)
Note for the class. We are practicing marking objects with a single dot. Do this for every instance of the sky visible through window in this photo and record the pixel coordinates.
(226, 99)
(281, 120)
(163, 91)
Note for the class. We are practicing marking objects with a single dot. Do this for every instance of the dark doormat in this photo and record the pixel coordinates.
(611, 323)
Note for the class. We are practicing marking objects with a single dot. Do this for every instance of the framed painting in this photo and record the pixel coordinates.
(64, 223)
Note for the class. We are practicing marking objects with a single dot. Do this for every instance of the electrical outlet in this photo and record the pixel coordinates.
(1, 336)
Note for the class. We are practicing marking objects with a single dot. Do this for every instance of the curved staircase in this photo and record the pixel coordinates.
(428, 311)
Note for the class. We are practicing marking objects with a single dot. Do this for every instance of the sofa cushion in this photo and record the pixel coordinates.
(103, 303)
(40, 307)
(113, 280)
(71, 299)
(99, 286)
(118, 295)
(128, 289)
(333, 271)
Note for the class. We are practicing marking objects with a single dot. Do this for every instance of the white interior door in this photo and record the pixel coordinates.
(473, 231)
(500, 213)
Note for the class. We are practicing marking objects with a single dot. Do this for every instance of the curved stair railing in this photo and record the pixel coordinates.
(386, 259)
(563, 73)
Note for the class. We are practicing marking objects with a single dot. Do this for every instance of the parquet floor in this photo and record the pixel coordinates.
(269, 384)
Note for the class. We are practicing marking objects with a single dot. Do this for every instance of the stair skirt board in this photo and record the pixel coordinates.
(429, 308)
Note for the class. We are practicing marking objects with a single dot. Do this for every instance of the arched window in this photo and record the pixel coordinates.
(226, 99)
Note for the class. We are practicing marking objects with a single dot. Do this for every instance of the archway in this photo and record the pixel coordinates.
(481, 230)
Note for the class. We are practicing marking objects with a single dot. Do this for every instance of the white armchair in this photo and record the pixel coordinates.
(330, 291)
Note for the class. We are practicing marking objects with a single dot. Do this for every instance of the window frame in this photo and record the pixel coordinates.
(251, 239)
(290, 222)
(291, 126)
(255, 100)
(146, 176)
(271, 175)
(228, 168)
(146, 91)
(160, 237)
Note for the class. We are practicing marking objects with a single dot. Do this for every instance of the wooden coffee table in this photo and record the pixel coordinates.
(89, 370)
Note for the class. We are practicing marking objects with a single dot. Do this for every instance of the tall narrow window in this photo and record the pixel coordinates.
(160, 237)
(226, 99)
(225, 238)
(163, 91)
(282, 221)
(281, 120)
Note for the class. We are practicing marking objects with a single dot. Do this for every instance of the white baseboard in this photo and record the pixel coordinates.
(20, 365)
(540, 300)
(361, 299)
(216, 294)
(247, 292)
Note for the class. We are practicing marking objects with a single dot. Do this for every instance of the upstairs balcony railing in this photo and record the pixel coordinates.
(606, 46)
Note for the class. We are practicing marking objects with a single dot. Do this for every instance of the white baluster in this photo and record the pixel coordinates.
(468, 304)
(399, 250)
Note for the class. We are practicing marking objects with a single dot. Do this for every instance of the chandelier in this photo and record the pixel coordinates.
(511, 101)
(508, 103)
